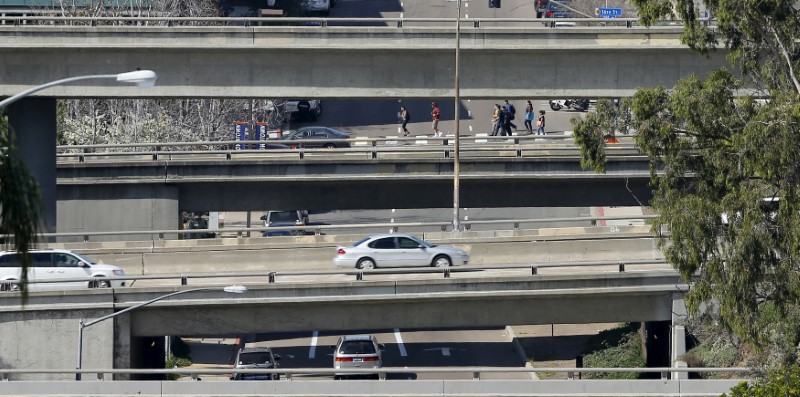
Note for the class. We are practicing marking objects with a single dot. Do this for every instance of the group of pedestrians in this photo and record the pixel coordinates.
(504, 115)
(502, 119)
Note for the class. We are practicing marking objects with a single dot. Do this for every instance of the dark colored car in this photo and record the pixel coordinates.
(255, 358)
(326, 137)
(558, 9)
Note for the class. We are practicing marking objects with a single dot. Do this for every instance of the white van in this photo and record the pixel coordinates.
(54, 265)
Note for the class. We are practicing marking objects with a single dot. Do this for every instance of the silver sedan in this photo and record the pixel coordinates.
(397, 250)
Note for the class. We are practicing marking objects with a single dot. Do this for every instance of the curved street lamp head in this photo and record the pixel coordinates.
(235, 289)
(142, 78)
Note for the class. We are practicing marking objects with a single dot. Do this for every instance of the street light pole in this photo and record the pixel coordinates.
(142, 78)
(456, 141)
(236, 289)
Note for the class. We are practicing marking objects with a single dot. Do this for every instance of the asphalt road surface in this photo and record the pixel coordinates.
(487, 347)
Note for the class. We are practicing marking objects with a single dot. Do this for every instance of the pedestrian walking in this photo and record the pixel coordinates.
(435, 116)
(495, 120)
(501, 121)
(540, 124)
(405, 117)
(512, 115)
(529, 116)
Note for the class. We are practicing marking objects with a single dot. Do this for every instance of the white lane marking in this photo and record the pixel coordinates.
(400, 344)
(446, 351)
(469, 113)
(466, 16)
(312, 351)
(470, 128)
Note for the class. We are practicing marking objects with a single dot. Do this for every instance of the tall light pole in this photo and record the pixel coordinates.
(235, 289)
(456, 142)
(142, 78)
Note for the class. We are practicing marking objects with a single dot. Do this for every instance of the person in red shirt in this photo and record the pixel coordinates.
(435, 115)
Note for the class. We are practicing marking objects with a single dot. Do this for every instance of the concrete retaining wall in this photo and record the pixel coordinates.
(550, 388)
(259, 254)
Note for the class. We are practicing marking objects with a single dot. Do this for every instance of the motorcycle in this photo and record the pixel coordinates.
(580, 105)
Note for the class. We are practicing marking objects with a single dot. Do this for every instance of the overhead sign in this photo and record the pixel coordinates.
(608, 12)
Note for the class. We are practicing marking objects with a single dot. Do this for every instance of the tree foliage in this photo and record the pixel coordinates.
(20, 203)
(718, 157)
(783, 382)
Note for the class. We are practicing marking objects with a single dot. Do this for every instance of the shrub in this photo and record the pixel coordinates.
(616, 348)
(783, 382)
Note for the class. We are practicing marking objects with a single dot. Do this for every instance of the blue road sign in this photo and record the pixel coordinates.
(608, 12)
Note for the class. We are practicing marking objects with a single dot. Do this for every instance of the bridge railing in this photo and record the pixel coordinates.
(367, 148)
(52, 18)
(324, 229)
(271, 277)
(288, 374)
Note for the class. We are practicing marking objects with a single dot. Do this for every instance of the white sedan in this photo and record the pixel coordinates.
(397, 250)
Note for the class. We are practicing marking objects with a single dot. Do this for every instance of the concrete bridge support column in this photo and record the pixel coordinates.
(33, 120)
(678, 342)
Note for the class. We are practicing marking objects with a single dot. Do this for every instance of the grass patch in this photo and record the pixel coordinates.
(615, 348)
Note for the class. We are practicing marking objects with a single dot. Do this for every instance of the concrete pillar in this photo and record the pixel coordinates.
(33, 120)
(678, 338)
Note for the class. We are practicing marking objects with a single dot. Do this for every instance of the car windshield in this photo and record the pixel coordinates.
(254, 358)
(91, 262)
(357, 347)
(283, 216)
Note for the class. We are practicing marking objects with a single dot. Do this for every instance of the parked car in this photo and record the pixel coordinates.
(54, 265)
(357, 351)
(255, 358)
(327, 137)
(277, 219)
(303, 109)
(397, 250)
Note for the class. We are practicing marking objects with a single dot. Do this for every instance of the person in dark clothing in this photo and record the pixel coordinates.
(512, 115)
(502, 117)
(405, 117)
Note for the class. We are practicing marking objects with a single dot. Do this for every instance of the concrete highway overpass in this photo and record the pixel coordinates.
(108, 195)
(515, 62)
(45, 328)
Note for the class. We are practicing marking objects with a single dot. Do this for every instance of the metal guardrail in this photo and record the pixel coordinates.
(271, 277)
(319, 229)
(40, 18)
(370, 148)
(289, 374)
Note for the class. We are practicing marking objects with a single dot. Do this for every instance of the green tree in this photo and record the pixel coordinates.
(719, 159)
(784, 382)
(20, 203)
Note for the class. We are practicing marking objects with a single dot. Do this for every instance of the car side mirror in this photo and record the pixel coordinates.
(263, 217)
(277, 357)
(421, 246)
(84, 265)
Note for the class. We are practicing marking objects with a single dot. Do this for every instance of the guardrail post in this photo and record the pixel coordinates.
(400, 23)
(519, 152)
(628, 24)
(288, 376)
(271, 277)
(194, 377)
(184, 280)
(85, 238)
(374, 153)
(476, 23)
(447, 272)
(444, 228)
(228, 155)
(664, 375)
(570, 375)
(381, 375)
(621, 267)
(101, 376)
(302, 155)
(476, 375)
(4, 376)
(360, 276)
(81, 158)
(161, 236)
(516, 225)
(534, 270)
(467, 226)
(444, 141)
(324, 23)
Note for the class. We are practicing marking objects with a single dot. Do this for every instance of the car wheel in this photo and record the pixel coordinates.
(441, 261)
(10, 286)
(366, 264)
(103, 284)
(556, 107)
(330, 146)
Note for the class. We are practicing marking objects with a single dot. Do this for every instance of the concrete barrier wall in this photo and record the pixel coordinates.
(550, 388)
(259, 254)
